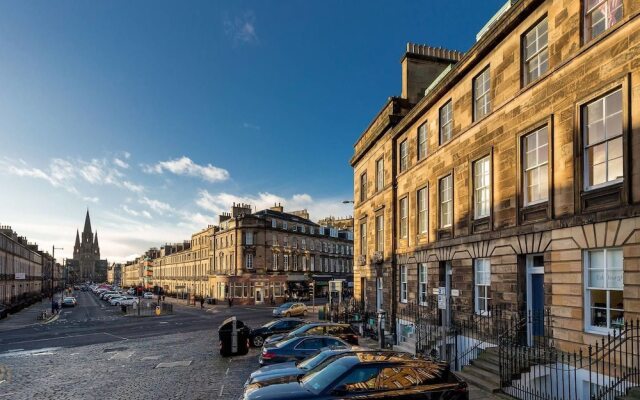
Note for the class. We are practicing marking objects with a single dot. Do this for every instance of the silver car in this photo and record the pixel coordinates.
(290, 310)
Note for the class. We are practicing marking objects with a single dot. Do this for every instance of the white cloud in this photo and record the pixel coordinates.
(247, 125)
(91, 199)
(156, 205)
(68, 174)
(120, 163)
(185, 166)
(318, 208)
(241, 29)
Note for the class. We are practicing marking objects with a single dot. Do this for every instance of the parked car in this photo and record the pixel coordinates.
(298, 348)
(292, 370)
(363, 376)
(125, 301)
(4, 311)
(290, 310)
(69, 302)
(282, 326)
(147, 295)
(343, 331)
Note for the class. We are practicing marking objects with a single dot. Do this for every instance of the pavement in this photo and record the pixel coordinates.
(92, 351)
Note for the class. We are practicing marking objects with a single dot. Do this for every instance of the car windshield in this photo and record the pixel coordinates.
(299, 330)
(284, 342)
(318, 381)
(270, 324)
(285, 305)
(314, 361)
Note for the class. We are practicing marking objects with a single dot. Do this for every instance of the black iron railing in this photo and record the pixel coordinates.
(531, 367)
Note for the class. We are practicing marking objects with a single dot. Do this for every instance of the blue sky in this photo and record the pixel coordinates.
(157, 115)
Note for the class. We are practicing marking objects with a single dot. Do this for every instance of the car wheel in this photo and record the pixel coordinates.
(304, 313)
(258, 341)
(287, 314)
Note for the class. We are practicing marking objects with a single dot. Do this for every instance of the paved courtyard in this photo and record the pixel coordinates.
(177, 366)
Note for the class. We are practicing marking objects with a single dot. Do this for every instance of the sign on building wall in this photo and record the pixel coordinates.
(20, 276)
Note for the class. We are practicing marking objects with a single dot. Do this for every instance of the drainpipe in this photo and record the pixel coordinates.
(394, 267)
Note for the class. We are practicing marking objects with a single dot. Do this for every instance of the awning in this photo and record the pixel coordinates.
(297, 278)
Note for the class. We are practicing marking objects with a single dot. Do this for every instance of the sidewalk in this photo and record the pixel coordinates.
(27, 316)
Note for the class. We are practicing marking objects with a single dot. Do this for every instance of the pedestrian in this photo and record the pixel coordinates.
(201, 302)
(162, 297)
(230, 301)
(53, 306)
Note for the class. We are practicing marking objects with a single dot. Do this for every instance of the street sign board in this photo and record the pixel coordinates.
(21, 276)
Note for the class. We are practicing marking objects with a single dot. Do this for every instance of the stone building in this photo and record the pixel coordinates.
(342, 223)
(509, 174)
(20, 269)
(114, 274)
(139, 272)
(86, 263)
(183, 268)
(272, 255)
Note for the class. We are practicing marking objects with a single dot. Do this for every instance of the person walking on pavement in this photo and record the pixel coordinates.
(201, 302)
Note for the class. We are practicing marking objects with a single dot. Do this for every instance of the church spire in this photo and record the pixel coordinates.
(76, 247)
(95, 241)
(87, 223)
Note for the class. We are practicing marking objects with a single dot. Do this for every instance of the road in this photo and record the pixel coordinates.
(94, 321)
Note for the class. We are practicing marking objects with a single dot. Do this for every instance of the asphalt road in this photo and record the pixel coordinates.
(94, 321)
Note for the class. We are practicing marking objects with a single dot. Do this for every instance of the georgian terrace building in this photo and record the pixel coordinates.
(183, 268)
(271, 254)
(510, 174)
(20, 268)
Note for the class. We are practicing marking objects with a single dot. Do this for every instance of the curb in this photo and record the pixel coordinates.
(53, 318)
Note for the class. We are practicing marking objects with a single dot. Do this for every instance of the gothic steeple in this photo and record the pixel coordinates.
(87, 223)
(76, 247)
(95, 241)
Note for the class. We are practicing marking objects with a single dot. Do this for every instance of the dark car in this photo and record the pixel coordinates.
(364, 376)
(282, 326)
(4, 311)
(342, 331)
(291, 371)
(298, 348)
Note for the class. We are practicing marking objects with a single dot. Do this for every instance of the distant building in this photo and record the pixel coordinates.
(86, 263)
(114, 274)
(343, 223)
(20, 268)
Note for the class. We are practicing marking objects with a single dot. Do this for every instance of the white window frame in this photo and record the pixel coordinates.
(445, 189)
(422, 141)
(404, 217)
(606, 141)
(403, 151)
(312, 266)
(482, 285)
(379, 174)
(532, 165)
(608, 7)
(248, 264)
(535, 53)
(274, 261)
(606, 287)
(248, 238)
(380, 233)
(446, 122)
(295, 262)
(422, 200)
(363, 238)
(285, 262)
(274, 223)
(422, 283)
(482, 94)
(482, 187)
(363, 186)
(403, 284)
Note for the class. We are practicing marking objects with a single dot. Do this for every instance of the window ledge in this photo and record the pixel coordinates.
(599, 331)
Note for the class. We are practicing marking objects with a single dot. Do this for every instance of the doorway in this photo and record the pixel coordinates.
(259, 298)
(535, 297)
(444, 292)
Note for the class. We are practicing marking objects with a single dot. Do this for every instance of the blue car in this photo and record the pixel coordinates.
(292, 370)
(298, 348)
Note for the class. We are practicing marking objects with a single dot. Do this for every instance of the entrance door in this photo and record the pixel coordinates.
(259, 298)
(535, 297)
(445, 283)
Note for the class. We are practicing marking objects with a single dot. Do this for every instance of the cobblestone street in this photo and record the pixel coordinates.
(178, 366)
